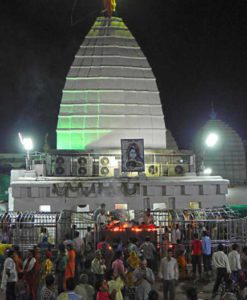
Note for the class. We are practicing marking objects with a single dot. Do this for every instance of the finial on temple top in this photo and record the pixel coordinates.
(213, 114)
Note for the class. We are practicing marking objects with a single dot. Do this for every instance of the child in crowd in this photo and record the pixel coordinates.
(103, 291)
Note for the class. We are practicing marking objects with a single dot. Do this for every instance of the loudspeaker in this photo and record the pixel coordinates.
(152, 170)
(82, 166)
(177, 170)
(63, 166)
(106, 166)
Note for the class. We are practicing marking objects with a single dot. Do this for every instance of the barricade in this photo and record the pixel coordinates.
(29, 228)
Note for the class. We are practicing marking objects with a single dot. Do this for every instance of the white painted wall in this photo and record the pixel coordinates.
(30, 193)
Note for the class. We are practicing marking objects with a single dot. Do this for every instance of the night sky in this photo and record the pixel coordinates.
(197, 50)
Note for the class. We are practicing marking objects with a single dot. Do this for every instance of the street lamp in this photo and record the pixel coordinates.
(207, 171)
(28, 146)
(210, 142)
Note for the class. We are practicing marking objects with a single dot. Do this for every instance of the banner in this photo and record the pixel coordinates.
(132, 155)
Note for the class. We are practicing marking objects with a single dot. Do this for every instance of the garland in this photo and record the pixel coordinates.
(63, 191)
(60, 191)
(129, 191)
(87, 191)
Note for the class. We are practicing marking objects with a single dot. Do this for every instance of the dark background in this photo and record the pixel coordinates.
(197, 49)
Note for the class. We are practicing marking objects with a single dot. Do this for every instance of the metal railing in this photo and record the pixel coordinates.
(25, 228)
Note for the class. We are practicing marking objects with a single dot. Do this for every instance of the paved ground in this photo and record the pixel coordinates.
(204, 289)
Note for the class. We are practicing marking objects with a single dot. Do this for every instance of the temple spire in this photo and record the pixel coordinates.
(109, 7)
(213, 114)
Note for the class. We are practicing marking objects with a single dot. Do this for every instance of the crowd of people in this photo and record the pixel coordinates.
(119, 269)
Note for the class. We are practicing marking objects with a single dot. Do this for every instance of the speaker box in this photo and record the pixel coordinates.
(106, 166)
(152, 170)
(62, 166)
(82, 166)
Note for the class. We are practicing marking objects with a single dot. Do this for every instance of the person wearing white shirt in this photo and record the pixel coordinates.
(143, 279)
(173, 236)
(9, 276)
(234, 261)
(101, 220)
(178, 233)
(29, 262)
(98, 210)
(169, 273)
(221, 264)
(89, 236)
(148, 218)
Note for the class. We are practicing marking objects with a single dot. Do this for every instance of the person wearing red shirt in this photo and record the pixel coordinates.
(196, 255)
(103, 291)
(70, 266)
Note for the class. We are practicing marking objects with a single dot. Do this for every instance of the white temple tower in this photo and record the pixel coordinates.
(110, 93)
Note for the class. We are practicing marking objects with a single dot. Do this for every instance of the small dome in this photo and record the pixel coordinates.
(227, 157)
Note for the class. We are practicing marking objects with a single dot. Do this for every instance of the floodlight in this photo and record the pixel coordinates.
(212, 140)
(27, 144)
(207, 171)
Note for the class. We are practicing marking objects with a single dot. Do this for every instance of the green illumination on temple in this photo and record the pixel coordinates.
(107, 79)
(116, 28)
(78, 139)
(114, 23)
(80, 123)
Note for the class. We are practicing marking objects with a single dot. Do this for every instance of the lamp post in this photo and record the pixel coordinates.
(210, 142)
(28, 146)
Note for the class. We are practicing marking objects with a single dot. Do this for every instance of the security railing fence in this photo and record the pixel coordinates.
(25, 228)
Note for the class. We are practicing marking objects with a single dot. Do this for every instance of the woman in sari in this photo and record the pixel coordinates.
(133, 262)
(29, 273)
(70, 266)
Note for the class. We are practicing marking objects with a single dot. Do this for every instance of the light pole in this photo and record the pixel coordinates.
(210, 142)
(28, 146)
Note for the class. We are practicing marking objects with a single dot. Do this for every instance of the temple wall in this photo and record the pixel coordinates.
(137, 193)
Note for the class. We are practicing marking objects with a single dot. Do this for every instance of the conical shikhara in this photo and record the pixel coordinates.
(110, 93)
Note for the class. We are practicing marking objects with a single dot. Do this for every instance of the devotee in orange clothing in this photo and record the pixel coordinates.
(37, 271)
(182, 266)
(18, 260)
(70, 266)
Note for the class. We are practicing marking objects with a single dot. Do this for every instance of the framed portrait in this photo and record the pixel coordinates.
(132, 151)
